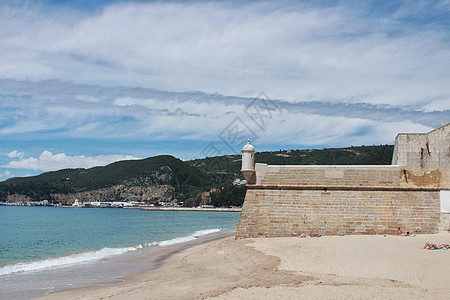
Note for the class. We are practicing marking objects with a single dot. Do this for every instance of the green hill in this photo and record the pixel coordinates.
(362, 155)
(182, 180)
(159, 170)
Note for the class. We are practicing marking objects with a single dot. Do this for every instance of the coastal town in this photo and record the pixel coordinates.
(163, 206)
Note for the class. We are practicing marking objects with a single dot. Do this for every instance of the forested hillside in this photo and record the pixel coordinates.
(166, 178)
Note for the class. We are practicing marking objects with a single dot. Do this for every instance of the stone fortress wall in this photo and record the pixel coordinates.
(413, 193)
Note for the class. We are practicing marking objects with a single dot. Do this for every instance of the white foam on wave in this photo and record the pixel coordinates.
(59, 262)
(188, 238)
(63, 261)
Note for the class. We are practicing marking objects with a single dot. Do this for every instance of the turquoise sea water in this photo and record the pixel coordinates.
(39, 238)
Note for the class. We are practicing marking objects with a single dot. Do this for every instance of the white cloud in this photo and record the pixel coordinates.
(312, 130)
(48, 161)
(6, 174)
(55, 110)
(438, 105)
(301, 124)
(15, 153)
(344, 73)
(294, 51)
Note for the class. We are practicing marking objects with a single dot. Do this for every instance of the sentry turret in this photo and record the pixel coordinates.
(248, 161)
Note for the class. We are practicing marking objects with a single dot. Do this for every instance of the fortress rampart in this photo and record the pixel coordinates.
(412, 194)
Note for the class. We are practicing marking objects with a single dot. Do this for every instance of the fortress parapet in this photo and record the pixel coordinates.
(413, 193)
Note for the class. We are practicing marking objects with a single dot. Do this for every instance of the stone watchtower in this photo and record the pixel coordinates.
(248, 162)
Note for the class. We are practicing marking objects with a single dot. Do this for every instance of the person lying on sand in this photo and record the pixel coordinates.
(431, 246)
(311, 235)
(400, 233)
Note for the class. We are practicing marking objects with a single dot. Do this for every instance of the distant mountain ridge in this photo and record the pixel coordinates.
(166, 178)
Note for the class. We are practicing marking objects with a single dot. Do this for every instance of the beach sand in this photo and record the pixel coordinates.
(330, 267)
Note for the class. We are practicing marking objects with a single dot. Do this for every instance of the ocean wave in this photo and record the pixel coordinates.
(188, 238)
(64, 261)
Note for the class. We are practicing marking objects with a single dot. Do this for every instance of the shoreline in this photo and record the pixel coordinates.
(216, 209)
(339, 267)
(100, 272)
(151, 208)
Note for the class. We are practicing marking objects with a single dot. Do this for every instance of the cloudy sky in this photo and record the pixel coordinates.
(86, 83)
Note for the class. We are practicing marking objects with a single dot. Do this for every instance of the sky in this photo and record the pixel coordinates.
(86, 83)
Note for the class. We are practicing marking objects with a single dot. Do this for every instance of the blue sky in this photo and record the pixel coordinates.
(86, 83)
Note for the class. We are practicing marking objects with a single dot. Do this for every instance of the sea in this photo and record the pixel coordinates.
(49, 249)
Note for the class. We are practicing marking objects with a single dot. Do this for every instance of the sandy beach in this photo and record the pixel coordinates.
(330, 267)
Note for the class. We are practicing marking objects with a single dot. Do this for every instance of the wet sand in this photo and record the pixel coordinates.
(348, 267)
(33, 284)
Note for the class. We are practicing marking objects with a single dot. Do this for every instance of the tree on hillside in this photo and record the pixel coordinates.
(228, 195)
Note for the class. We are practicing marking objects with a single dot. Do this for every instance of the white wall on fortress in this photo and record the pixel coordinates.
(445, 201)
(426, 150)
